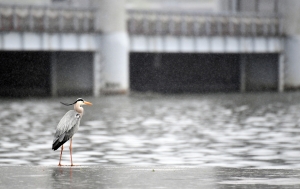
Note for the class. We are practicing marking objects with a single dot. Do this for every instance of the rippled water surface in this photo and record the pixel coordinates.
(260, 130)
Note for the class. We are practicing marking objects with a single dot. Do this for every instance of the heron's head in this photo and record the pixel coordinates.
(82, 102)
(79, 102)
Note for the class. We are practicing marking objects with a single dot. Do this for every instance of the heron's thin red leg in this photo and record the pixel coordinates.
(71, 152)
(62, 148)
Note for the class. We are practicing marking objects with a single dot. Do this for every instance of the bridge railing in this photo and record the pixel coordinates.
(203, 24)
(45, 18)
(71, 19)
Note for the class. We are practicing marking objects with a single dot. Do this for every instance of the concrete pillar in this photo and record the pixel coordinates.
(292, 46)
(281, 73)
(290, 10)
(97, 73)
(111, 23)
(53, 74)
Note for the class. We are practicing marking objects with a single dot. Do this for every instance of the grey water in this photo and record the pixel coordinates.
(250, 130)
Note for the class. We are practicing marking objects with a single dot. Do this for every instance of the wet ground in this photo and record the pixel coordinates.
(145, 177)
(255, 130)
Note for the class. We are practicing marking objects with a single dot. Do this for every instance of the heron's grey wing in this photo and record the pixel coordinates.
(67, 122)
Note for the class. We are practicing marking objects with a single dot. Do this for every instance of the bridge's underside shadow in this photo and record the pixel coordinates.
(190, 72)
(32, 73)
(25, 74)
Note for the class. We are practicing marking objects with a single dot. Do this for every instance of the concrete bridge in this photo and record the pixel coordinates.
(47, 28)
(66, 28)
(245, 48)
(177, 31)
(81, 42)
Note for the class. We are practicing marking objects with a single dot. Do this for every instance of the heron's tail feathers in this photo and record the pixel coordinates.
(57, 143)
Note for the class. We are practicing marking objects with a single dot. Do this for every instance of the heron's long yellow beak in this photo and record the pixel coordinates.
(87, 103)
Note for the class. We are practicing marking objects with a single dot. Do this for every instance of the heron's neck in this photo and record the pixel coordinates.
(78, 109)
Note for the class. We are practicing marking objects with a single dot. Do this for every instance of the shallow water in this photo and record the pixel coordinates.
(259, 130)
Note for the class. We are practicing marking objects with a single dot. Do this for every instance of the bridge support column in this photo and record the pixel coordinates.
(115, 58)
(291, 43)
(114, 48)
(281, 73)
(292, 79)
(97, 73)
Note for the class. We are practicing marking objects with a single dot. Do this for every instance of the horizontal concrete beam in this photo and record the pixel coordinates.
(217, 44)
(30, 41)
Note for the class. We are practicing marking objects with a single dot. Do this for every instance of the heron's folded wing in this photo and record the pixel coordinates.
(67, 122)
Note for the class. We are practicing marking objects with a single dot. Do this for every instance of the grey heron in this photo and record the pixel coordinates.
(68, 126)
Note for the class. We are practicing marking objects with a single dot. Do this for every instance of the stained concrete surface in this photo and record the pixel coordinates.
(145, 177)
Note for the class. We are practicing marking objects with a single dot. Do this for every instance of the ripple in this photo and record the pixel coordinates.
(228, 130)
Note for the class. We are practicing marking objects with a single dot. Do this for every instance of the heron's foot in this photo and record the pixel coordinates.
(72, 165)
(59, 164)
